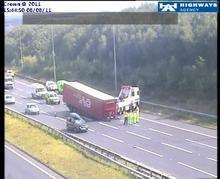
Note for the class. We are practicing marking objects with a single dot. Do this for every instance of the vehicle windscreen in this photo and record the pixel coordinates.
(8, 80)
(32, 106)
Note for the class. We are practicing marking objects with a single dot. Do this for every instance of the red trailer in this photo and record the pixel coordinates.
(88, 101)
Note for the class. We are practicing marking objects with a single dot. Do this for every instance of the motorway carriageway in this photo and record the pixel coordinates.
(20, 165)
(182, 150)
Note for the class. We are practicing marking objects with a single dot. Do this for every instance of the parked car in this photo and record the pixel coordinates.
(76, 123)
(9, 99)
(9, 82)
(38, 91)
(52, 98)
(10, 72)
(32, 108)
(51, 86)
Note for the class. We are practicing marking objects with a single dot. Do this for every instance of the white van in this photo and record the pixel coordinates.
(9, 82)
(38, 91)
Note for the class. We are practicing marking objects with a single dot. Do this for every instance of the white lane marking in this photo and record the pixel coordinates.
(91, 130)
(62, 119)
(35, 100)
(201, 143)
(18, 102)
(136, 125)
(30, 162)
(22, 83)
(212, 159)
(108, 125)
(45, 112)
(148, 151)
(52, 107)
(160, 132)
(113, 138)
(172, 146)
(22, 96)
(138, 135)
(197, 169)
(180, 128)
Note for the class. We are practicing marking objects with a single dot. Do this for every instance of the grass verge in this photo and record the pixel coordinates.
(53, 152)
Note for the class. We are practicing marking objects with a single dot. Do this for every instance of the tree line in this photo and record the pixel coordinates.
(177, 63)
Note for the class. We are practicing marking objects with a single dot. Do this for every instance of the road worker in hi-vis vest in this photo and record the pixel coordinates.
(129, 117)
(138, 114)
(133, 117)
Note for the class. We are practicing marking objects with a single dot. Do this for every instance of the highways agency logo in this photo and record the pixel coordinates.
(178, 6)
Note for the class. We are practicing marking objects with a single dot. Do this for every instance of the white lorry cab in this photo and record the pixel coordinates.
(129, 98)
(38, 91)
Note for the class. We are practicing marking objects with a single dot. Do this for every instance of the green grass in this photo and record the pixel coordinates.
(53, 152)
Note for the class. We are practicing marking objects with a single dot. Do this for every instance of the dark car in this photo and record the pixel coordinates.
(76, 123)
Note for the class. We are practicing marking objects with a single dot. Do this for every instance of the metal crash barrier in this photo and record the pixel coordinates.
(137, 169)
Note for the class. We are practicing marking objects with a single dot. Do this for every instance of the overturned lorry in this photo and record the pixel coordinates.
(97, 105)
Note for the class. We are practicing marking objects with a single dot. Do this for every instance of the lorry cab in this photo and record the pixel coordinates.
(9, 82)
(129, 98)
(76, 123)
(38, 91)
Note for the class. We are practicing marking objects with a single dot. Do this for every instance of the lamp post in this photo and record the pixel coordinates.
(115, 62)
(53, 56)
(21, 53)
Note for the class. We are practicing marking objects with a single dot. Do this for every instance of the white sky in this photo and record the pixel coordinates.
(86, 6)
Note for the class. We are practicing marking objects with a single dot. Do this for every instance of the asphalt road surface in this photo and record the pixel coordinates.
(19, 165)
(182, 150)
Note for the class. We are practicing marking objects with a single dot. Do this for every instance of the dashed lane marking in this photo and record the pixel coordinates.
(212, 159)
(91, 130)
(172, 146)
(113, 127)
(201, 143)
(154, 130)
(138, 135)
(148, 151)
(194, 168)
(179, 128)
(113, 138)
